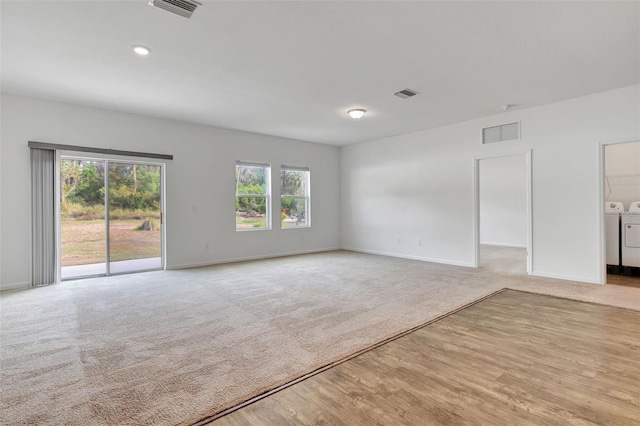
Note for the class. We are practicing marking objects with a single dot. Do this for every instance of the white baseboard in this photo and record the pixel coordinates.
(412, 257)
(15, 286)
(587, 280)
(244, 259)
(502, 244)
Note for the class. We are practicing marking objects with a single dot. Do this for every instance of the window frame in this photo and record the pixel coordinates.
(306, 197)
(266, 195)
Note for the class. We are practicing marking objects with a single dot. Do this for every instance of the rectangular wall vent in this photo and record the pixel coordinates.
(405, 94)
(502, 133)
(179, 7)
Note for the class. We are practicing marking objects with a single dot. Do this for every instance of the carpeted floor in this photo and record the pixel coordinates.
(174, 347)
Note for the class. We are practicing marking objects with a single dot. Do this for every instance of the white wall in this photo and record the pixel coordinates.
(200, 181)
(503, 201)
(419, 186)
(1, 191)
(622, 169)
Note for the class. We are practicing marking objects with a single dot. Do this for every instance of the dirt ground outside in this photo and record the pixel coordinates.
(84, 241)
(250, 220)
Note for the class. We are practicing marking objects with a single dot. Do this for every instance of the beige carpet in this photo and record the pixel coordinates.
(174, 347)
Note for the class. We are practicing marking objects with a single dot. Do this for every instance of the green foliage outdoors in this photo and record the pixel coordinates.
(78, 211)
(134, 197)
(293, 182)
(251, 204)
(134, 190)
(289, 206)
(250, 181)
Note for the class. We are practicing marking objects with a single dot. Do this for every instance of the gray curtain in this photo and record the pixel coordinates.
(43, 229)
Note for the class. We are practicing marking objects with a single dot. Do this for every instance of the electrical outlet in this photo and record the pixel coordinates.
(206, 246)
(419, 242)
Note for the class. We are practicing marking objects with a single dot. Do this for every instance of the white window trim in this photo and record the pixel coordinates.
(306, 197)
(267, 195)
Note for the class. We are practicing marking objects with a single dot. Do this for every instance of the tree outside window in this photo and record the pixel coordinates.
(294, 197)
(252, 196)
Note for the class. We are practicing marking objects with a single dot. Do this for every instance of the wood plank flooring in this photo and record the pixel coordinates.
(513, 359)
(623, 280)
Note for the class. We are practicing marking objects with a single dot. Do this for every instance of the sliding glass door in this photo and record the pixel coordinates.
(110, 217)
(83, 230)
(135, 218)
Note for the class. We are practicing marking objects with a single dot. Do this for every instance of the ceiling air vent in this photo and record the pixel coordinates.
(503, 133)
(179, 7)
(405, 94)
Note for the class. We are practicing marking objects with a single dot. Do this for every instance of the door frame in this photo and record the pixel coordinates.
(476, 205)
(72, 155)
(602, 264)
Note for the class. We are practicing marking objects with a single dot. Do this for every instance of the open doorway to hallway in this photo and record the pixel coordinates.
(503, 214)
(110, 217)
(622, 213)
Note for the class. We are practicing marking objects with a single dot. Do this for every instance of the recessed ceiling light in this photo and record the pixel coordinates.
(356, 113)
(141, 50)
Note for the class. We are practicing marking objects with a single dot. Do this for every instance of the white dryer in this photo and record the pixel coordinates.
(612, 212)
(630, 234)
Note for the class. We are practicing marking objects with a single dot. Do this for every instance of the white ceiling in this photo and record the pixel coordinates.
(293, 69)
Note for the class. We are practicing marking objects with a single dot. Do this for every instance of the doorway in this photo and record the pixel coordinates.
(503, 214)
(621, 196)
(110, 217)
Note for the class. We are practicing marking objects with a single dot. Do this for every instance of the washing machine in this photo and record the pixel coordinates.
(612, 212)
(630, 234)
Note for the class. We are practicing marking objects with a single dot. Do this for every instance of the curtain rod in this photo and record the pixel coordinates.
(59, 147)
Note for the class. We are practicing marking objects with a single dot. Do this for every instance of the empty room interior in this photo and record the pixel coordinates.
(319, 212)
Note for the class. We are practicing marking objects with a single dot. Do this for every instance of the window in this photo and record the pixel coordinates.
(294, 193)
(252, 196)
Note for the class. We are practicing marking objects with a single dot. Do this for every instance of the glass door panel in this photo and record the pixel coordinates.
(82, 218)
(135, 220)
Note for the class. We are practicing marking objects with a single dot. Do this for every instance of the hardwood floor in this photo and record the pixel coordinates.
(623, 280)
(513, 359)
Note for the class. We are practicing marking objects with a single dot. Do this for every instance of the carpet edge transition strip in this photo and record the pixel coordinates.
(210, 419)
(572, 299)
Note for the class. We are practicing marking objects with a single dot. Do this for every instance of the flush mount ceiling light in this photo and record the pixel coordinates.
(356, 113)
(141, 50)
